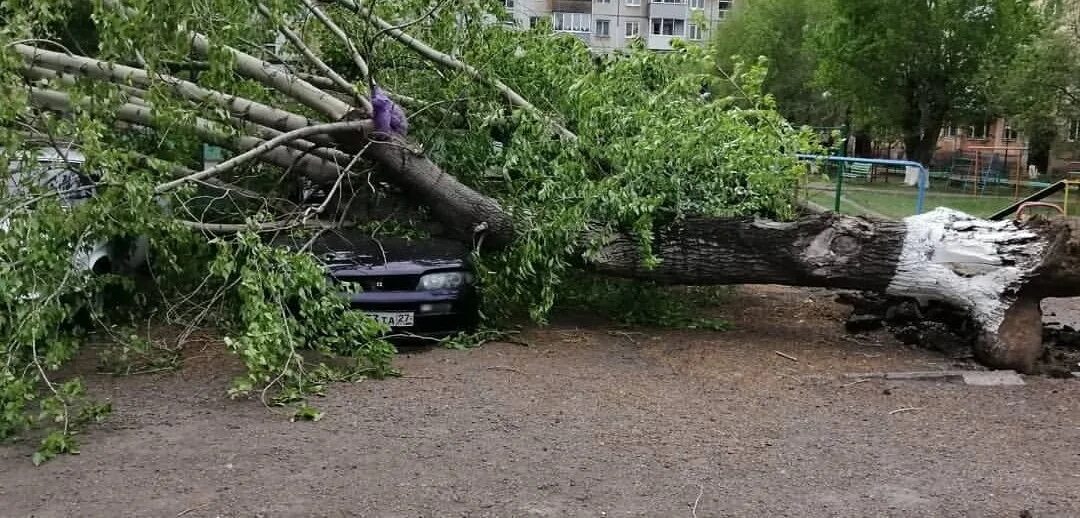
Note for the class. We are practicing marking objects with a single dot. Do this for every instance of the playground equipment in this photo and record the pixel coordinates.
(865, 164)
(1063, 185)
(982, 166)
(1028, 205)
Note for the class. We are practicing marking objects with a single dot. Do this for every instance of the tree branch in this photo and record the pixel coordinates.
(269, 75)
(121, 74)
(261, 149)
(316, 168)
(330, 73)
(361, 64)
(449, 61)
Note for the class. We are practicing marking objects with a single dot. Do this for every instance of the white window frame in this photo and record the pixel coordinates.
(691, 29)
(697, 4)
(508, 4)
(668, 1)
(985, 131)
(603, 1)
(1072, 131)
(571, 22)
(949, 131)
(635, 33)
(1006, 129)
(606, 33)
(633, 3)
(674, 22)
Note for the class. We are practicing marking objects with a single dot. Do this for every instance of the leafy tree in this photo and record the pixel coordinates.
(908, 67)
(785, 32)
(1040, 87)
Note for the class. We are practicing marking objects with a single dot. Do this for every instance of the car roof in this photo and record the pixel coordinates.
(60, 152)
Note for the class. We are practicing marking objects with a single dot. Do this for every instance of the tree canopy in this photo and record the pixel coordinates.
(903, 68)
(786, 33)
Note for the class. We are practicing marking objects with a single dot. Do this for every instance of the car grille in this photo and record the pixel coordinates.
(382, 282)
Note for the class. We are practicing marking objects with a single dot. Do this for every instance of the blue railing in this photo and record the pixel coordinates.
(924, 174)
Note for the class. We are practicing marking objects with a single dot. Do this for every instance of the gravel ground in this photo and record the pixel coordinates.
(587, 420)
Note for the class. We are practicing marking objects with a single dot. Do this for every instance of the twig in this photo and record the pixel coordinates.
(906, 409)
(788, 356)
(190, 509)
(856, 382)
(626, 334)
(693, 510)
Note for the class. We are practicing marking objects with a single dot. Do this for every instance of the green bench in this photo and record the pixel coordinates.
(856, 170)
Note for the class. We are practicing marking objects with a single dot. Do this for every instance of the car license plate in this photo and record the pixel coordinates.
(403, 319)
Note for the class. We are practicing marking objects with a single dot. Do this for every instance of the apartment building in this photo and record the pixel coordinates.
(999, 137)
(612, 24)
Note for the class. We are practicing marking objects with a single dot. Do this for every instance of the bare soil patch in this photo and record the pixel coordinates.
(590, 420)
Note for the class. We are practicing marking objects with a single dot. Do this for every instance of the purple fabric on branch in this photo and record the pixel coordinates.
(388, 116)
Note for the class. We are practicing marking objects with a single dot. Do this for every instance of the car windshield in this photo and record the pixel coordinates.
(62, 177)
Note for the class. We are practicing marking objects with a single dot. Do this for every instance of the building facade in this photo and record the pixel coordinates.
(607, 25)
(999, 137)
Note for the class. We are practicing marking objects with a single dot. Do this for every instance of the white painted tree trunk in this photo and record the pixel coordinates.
(981, 266)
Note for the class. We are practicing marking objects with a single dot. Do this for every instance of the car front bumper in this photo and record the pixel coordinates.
(436, 313)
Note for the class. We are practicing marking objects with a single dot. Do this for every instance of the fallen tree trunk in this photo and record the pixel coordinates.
(998, 271)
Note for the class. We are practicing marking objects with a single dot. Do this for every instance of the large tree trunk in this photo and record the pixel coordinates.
(996, 270)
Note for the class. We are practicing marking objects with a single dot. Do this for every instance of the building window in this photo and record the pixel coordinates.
(571, 22)
(949, 131)
(978, 131)
(603, 28)
(534, 21)
(1074, 131)
(633, 3)
(723, 5)
(693, 32)
(697, 4)
(668, 27)
(1008, 134)
(668, 1)
(509, 4)
(633, 29)
(603, 1)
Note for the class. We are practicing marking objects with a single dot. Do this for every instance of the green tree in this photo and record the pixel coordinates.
(785, 32)
(908, 67)
(1040, 87)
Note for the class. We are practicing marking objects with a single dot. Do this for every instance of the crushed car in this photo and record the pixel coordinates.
(59, 168)
(422, 288)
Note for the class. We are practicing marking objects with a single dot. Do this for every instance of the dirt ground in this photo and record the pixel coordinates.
(585, 421)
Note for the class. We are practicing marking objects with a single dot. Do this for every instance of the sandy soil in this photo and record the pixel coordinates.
(585, 421)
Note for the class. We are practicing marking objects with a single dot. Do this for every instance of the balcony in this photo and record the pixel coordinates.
(669, 10)
(571, 6)
(663, 30)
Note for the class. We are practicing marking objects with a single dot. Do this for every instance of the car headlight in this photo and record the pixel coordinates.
(444, 281)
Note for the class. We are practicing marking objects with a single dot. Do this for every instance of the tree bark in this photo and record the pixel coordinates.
(998, 271)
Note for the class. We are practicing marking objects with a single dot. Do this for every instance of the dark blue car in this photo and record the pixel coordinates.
(417, 287)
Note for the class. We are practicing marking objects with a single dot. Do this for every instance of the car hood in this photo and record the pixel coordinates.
(350, 251)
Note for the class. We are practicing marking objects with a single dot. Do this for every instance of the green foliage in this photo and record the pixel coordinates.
(636, 303)
(1037, 107)
(305, 412)
(785, 32)
(131, 354)
(285, 305)
(907, 67)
